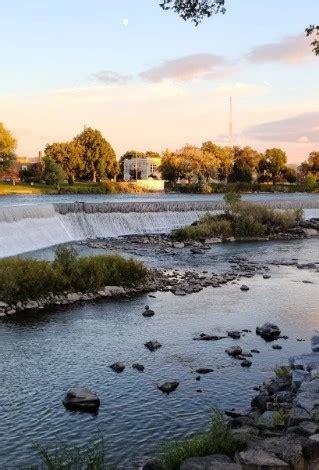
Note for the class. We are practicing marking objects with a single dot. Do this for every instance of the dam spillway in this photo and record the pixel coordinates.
(32, 227)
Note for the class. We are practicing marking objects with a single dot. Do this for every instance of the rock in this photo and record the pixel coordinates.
(73, 297)
(148, 312)
(118, 367)
(234, 334)
(268, 331)
(179, 291)
(307, 428)
(197, 251)
(3, 305)
(244, 288)
(211, 462)
(246, 363)
(257, 459)
(255, 351)
(276, 346)
(206, 337)
(298, 377)
(266, 276)
(244, 434)
(168, 387)
(179, 245)
(260, 402)
(307, 362)
(31, 304)
(82, 399)
(234, 351)
(287, 448)
(235, 413)
(204, 370)
(315, 438)
(311, 387)
(11, 311)
(138, 367)
(267, 419)
(296, 416)
(284, 397)
(306, 400)
(315, 343)
(153, 345)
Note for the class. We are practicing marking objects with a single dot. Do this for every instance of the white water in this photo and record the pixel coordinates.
(33, 227)
(30, 228)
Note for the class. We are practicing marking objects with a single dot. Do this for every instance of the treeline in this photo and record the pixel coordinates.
(202, 165)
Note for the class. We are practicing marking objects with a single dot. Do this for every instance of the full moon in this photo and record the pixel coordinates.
(125, 22)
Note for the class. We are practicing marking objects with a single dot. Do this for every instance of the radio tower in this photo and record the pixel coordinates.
(231, 143)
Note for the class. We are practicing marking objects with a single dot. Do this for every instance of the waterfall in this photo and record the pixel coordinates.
(32, 227)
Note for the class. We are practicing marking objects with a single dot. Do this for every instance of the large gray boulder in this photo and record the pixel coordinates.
(82, 399)
(211, 462)
(268, 331)
(315, 343)
(257, 459)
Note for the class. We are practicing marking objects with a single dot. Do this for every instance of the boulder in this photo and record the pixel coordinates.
(287, 448)
(206, 337)
(315, 343)
(179, 291)
(246, 363)
(260, 402)
(211, 462)
(153, 345)
(138, 367)
(297, 415)
(268, 331)
(118, 367)
(276, 346)
(31, 304)
(266, 276)
(307, 362)
(244, 288)
(168, 387)
(300, 376)
(73, 297)
(306, 400)
(234, 334)
(256, 459)
(78, 398)
(3, 305)
(234, 351)
(148, 312)
(307, 428)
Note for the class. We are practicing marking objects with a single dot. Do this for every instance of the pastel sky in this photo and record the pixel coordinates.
(154, 81)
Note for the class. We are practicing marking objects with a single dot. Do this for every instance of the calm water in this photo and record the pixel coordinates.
(43, 354)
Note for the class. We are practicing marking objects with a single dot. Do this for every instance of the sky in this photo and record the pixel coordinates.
(150, 81)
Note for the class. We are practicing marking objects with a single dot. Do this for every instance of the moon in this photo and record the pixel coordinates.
(125, 22)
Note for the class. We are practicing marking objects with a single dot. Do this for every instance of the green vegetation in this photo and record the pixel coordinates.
(283, 372)
(8, 146)
(240, 220)
(90, 457)
(216, 441)
(24, 279)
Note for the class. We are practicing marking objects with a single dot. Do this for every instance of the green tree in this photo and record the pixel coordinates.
(276, 160)
(98, 156)
(170, 167)
(290, 175)
(313, 163)
(53, 173)
(8, 146)
(224, 157)
(246, 161)
(69, 156)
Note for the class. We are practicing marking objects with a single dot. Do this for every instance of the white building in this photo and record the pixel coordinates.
(142, 168)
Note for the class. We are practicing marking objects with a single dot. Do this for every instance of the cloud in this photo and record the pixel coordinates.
(289, 50)
(110, 77)
(190, 67)
(303, 128)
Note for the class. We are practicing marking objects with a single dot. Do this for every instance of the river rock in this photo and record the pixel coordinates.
(168, 387)
(78, 398)
(256, 459)
(148, 312)
(153, 345)
(300, 376)
(118, 367)
(315, 343)
(260, 402)
(268, 331)
(138, 367)
(3, 305)
(234, 351)
(244, 288)
(32, 304)
(234, 334)
(307, 428)
(266, 276)
(246, 363)
(211, 462)
(179, 245)
(204, 370)
(276, 346)
(73, 297)
(179, 291)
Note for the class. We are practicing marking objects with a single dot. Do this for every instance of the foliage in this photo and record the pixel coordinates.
(273, 163)
(314, 30)
(53, 173)
(8, 145)
(310, 182)
(97, 154)
(23, 279)
(194, 10)
(91, 457)
(217, 440)
(246, 162)
(69, 156)
(283, 372)
(241, 220)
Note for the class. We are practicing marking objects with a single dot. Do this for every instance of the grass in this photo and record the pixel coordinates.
(216, 441)
(30, 279)
(240, 220)
(90, 457)
(283, 372)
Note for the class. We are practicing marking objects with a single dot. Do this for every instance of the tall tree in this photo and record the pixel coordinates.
(53, 173)
(69, 156)
(98, 156)
(246, 161)
(276, 160)
(224, 156)
(8, 146)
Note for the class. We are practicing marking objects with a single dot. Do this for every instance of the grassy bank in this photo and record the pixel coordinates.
(104, 187)
(222, 188)
(23, 279)
(241, 220)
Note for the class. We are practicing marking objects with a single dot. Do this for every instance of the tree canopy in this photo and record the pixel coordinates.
(8, 146)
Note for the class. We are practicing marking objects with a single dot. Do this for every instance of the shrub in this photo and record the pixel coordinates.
(23, 279)
(217, 441)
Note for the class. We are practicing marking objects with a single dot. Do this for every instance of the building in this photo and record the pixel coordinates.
(142, 168)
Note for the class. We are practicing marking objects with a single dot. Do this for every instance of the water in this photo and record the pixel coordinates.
(44, 353)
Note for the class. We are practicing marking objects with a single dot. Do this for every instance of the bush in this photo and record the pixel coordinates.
(24, 279)
(217, 441)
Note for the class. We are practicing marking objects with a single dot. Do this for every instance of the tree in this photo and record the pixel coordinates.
(8, 145)
(313, 163)
(224, 156)
(69, 156)
(246, 161)
(170, 167)
(97, 155)
(276, 160)
(53, 173)
(290, 175)
(314, 30)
